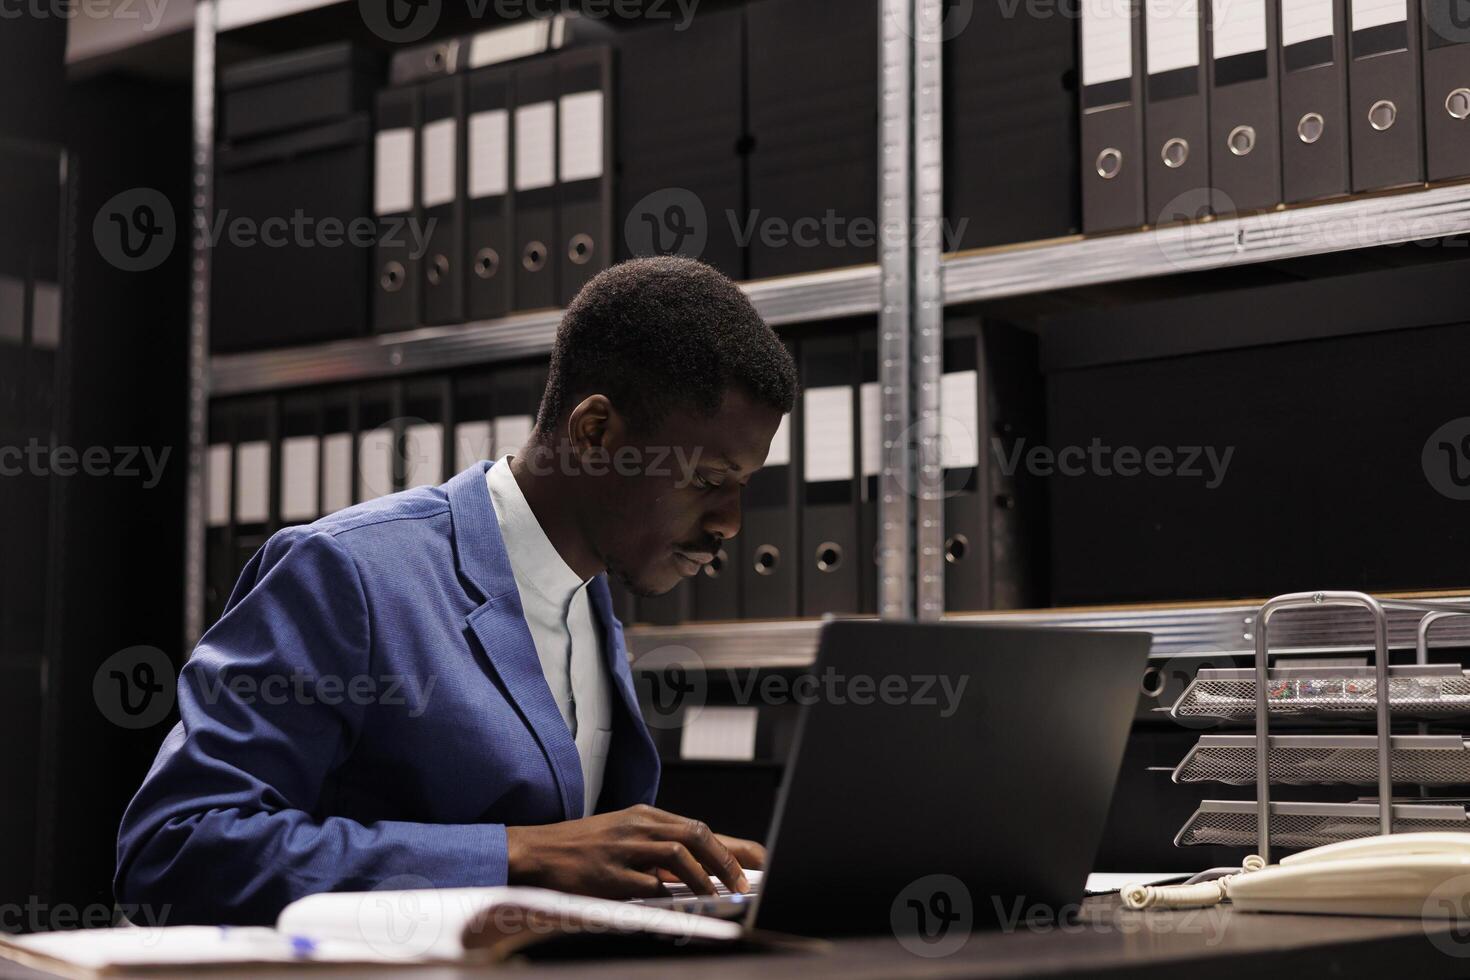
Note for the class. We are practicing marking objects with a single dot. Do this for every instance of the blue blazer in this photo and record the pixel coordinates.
(369, 707)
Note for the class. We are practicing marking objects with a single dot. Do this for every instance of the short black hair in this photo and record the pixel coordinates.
(656, 334)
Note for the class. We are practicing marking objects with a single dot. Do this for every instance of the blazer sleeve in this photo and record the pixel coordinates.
(223, 829)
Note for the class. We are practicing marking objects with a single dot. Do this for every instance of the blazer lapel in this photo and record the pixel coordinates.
(500, 626)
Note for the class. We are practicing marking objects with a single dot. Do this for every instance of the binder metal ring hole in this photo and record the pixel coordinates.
(829, 556)
(956, 546)
(767, 557)
(1175, 153)
(392, 278)
(1457, 104)
(1242, 140)
(1154, 682)
(1309, 128)
(534, 258)
(717, 564)
(579, 250)
(1109, 163)
(438, 270)
(1383, 115)
(487, 263)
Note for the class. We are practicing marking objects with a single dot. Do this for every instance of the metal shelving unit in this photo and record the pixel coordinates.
(908, 290)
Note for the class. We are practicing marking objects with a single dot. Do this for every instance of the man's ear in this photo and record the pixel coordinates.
(594, 425)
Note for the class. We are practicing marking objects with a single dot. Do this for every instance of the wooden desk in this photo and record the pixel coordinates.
(1107, 941)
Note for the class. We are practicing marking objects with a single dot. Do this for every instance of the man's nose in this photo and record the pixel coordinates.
(724, 521)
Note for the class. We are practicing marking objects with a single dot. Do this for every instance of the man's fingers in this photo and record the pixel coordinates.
(638, 884)
(674, 857)
(714, 855)
(749, 853)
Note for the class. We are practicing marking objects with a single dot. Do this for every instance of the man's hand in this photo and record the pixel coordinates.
(628, 854)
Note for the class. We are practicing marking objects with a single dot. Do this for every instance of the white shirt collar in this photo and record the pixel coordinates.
(531, 553)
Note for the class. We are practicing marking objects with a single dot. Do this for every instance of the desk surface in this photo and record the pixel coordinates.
(1106, 941)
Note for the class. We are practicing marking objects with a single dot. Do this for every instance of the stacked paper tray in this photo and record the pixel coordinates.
(1232, 823)
(1429, 760)
(1328, 693)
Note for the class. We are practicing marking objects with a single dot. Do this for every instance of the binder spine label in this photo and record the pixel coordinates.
(336, 472)
(1305, 20)
(217, 484)
(299, 478)
(1173, 35)
(511, 433)
(393, 172)
(780, 451)
(423, 454)
(375, 464)
(827, 434)
(1379, 26)
(439, 156)
(959, 421)
(253, 483)
(581, 136)
(489, 166)
(535, 146)
(870, 408)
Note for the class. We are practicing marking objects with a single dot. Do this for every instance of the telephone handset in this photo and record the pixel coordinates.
(1414, 875)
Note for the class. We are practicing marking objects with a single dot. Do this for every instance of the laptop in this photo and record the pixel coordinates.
(985, 754)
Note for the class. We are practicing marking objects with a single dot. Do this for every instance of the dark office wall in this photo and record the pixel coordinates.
(119, 541)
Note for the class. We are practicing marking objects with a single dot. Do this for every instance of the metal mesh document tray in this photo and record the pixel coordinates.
(1430, 760)
(1418, 691)
(1232, 823)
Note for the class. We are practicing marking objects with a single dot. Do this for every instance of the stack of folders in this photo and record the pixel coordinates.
(1191, 107)
(282, 460)
(492, 174)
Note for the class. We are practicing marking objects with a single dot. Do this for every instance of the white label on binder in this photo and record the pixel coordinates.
(959, 421)
(1305, 20)
(581, 136)
(1376, 13)
(336, 472)
(374, 464)
(298, 478)
(472, 443)
(1173, 28)
(217, 485)
(46, 316)
(827, 432)
(12, 310)
(511, 433)
(780, 451)
(489, 153)
(1240, 27)
(393, 172)
(423, 455)
(720, 732)
(535, 146)
(438, 163)
(1107, 40)
(252, 483)
(871, 408)
(509, 43)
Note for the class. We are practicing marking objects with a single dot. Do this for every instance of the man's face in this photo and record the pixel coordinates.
(663, 525)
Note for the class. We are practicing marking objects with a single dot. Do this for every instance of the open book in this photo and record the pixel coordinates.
(409, 926)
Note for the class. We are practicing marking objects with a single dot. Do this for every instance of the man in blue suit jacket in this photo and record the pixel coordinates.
(390, 692)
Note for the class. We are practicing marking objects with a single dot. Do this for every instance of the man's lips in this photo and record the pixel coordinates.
(690, 562)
